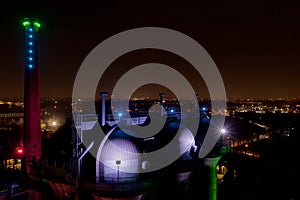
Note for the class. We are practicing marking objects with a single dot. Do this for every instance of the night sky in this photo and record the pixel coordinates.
(255, 44)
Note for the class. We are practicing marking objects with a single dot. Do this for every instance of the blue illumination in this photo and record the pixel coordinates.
(30, 51)
(203, 109)
(30, 29)
(172, 110)
(30, 36)
(120, 114)
(30, 58)
(30, 43)
(30, 66)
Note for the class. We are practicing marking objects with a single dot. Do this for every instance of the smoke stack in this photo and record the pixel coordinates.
(161, 95)
(32, 133)
(103, 107)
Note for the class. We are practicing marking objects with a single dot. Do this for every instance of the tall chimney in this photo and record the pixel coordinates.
(103, 107)
(32, 133)
(161, 95)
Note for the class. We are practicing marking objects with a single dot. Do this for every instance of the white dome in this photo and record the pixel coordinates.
(117, 156)
(123, 151)
(185, 140)
(119, 148)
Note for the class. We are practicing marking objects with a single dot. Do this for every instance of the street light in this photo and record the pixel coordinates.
(118, 163)
(120, 115)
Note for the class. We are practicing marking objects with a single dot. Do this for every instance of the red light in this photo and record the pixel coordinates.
(20, 151)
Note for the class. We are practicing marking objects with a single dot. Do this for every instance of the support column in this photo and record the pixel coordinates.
(211, 164)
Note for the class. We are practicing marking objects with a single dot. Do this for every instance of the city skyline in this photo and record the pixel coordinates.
(254, 46)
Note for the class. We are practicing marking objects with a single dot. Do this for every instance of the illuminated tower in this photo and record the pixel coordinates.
(32, 134)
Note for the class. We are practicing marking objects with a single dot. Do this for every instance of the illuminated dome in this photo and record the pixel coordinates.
(119, 148)
(182, 143)
(182, 136)
(185, 142)
(118, 154)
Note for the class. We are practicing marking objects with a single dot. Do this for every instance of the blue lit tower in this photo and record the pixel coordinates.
(32, 134)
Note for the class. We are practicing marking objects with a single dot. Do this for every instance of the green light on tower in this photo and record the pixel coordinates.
(31, 23)
(26, 23)
(36, 25)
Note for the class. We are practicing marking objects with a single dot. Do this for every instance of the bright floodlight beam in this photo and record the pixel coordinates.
(223, 131)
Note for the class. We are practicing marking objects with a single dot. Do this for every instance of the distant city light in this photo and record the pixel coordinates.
(54, 123)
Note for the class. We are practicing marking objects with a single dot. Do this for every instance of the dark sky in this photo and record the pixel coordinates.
(255, 44)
